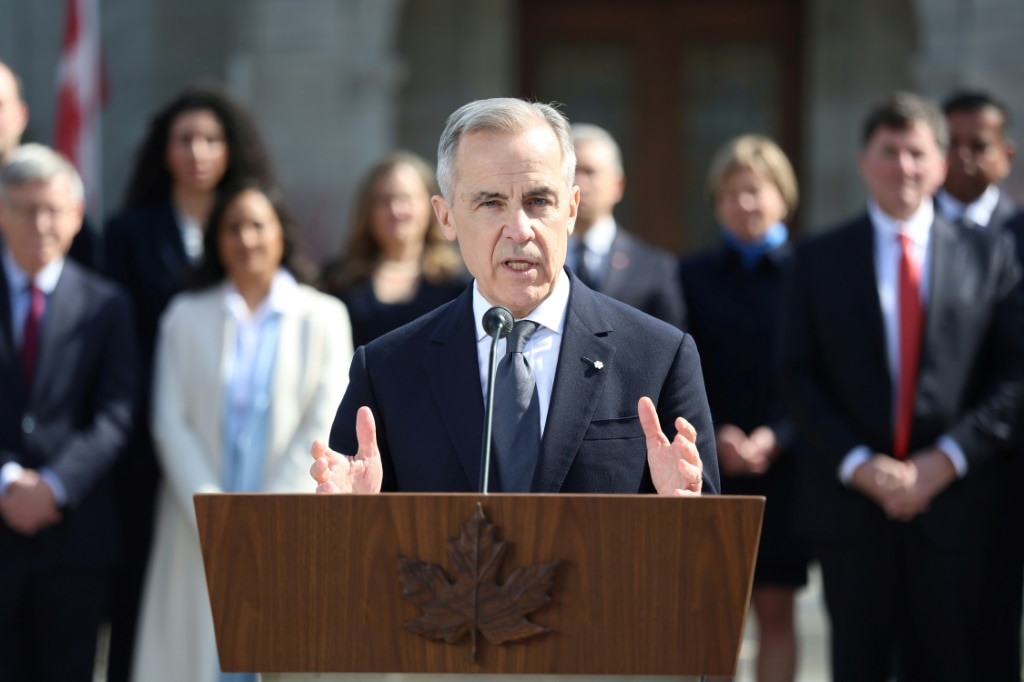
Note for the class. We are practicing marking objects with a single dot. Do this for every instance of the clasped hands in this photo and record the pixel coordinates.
(740, 454)
(28, 505)
(904, 488)
(676, 468)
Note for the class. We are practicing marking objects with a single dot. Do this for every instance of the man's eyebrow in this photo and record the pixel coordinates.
(546, 191)
(486, 195)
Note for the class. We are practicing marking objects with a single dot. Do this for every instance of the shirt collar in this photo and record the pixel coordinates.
(917, 227)
(598, 239)
(550, 313)
(46, 279)
(282, 293)
(978, 211)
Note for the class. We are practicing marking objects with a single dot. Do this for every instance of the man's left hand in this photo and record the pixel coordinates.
(675, 465)
(28, 505)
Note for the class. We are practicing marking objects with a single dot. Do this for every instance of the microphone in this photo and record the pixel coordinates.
(497, 323)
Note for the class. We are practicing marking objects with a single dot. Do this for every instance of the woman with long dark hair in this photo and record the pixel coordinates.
(197, 142)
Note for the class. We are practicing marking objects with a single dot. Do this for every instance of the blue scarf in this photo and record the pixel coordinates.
(245, 457)
(751, 252)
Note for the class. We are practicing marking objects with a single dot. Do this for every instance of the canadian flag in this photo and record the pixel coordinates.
(81, 93)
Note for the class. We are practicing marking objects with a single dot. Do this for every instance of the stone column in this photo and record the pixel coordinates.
(320, 77)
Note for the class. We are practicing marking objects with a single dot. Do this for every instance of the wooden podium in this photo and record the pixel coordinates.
(644, 585)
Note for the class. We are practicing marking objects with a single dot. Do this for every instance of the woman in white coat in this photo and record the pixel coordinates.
(250, 368)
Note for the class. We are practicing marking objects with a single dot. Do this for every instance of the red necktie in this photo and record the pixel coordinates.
(30, 336)
(911, 314)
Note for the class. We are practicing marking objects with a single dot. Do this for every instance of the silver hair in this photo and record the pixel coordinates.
(588, 132)
(501, 115)
(38, 163)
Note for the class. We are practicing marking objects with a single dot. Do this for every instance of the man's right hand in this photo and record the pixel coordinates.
(338, 473)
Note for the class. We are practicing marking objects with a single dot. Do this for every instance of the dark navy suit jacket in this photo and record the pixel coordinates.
(77, 415)
(422, 382)
(645, 277)
(836, 382)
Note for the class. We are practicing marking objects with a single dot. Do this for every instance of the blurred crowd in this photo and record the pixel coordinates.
(866, 379)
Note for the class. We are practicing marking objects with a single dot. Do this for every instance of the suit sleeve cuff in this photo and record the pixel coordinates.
(854, 458)
(60, 495)
(951, 449)
(9, 473)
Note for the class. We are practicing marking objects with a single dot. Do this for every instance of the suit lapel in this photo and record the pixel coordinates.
(63, 310)
(169, 244)
(616, 275)
(1004, 210)
(10, 359)
(586, 338)
(863, 292)
(944, 275)
(453, 373)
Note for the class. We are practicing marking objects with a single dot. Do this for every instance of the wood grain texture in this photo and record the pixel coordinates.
(646, 585)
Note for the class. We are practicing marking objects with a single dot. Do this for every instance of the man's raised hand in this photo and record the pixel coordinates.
(361, 473)
(675, 465)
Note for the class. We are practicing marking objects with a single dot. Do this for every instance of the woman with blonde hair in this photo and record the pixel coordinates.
(733, 294)
(397, 264)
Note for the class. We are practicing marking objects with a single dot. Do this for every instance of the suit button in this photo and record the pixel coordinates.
(28, 424)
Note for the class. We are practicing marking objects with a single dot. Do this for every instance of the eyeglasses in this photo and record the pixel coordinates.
(35, 211)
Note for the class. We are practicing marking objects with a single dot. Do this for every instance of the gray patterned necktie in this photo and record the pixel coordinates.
(517, 418)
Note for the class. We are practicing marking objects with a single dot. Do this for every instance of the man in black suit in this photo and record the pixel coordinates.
(980, 156)
(13, 121)
(901, 364)
(68, 377)
(601, 252)
(413, 413)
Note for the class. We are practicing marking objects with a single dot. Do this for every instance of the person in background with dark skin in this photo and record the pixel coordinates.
(980, 157)
(733, 294)
(249, 369)
(68, 377)
(901, 362)
(200, 140)
(14, 116)
(396, 264)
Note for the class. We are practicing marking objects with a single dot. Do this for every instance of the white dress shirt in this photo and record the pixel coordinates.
(979, 211)
(541, 351)
(597, 242)
(887, 254)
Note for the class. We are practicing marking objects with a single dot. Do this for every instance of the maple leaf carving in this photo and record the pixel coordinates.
(475, 601)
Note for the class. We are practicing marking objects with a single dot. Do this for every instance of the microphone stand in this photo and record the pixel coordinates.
(485, 469)
(498, 322)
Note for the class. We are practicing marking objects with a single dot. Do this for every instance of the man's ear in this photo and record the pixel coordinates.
(574, 206)
(444, 216)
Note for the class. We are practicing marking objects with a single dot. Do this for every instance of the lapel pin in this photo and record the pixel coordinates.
(597, 364)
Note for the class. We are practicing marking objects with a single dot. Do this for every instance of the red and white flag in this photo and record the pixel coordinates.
(81, 93)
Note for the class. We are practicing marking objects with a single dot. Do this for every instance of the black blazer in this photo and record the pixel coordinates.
(76, 417)
(835, 378)
(144, 253)
(644, 277)
(733, 315)
(422, 382)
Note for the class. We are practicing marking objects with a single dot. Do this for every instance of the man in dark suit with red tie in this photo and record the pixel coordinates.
(901, 363)
(68, 380)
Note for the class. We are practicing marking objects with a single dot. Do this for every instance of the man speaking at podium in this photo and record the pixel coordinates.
(584, 400)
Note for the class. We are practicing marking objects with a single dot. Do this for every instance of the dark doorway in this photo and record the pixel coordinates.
(671, 80)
